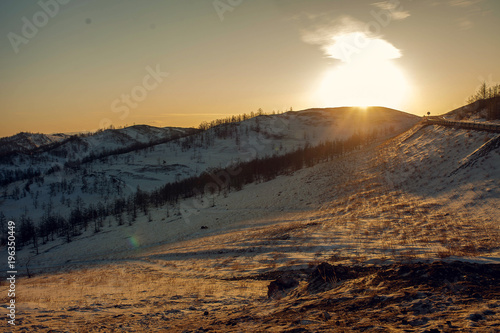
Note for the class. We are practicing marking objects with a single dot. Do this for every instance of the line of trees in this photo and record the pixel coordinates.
(205, 125)
(487, 98)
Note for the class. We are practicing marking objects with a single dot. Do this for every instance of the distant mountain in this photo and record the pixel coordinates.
(84, 144)
(25, 142)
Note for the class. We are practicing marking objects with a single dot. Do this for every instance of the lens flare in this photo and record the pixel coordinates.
(133, 242)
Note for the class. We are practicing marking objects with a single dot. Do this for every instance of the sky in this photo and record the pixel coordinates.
(70, 66)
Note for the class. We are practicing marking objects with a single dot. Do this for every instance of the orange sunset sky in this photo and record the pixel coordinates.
(69, 66)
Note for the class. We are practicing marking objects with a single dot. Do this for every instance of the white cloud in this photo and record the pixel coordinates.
(357, 46)
(349, 40)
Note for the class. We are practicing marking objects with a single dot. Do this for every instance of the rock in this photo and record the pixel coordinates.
(280, 286)
(204, 227)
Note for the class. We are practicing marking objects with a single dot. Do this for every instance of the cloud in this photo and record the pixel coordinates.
(357, 46)
(463, 3)
(470, 10)
(394, 8)
(349, 40)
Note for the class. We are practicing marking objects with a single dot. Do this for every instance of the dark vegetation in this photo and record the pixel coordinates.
(205, 125)
(485, 98)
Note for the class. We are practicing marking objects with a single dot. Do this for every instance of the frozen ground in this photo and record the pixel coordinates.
(391, 203)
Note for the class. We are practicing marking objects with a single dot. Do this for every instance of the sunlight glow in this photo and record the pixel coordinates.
(366, 76)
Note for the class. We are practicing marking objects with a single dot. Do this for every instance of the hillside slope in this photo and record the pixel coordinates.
(394, 197)
(481, 110)
(25, 142)
(79, 146)
(62, 176)
(374, 211)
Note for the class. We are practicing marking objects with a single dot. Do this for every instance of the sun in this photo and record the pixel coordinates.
(368, 77)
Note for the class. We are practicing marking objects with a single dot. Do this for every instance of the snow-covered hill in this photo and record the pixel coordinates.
(56, 178)
(26, 142)
(79, 146)
(401, 199)
(35, 155)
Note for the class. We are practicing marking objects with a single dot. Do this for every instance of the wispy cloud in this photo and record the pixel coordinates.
(469, 10)
(463, 3)
(394, 9)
